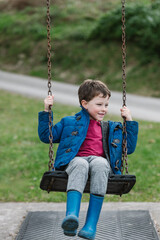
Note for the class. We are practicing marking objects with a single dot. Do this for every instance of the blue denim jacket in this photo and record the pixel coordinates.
(71, 131)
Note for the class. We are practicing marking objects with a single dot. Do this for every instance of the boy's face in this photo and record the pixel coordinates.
(97, 107)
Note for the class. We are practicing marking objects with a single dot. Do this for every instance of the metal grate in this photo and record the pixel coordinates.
(115, 225)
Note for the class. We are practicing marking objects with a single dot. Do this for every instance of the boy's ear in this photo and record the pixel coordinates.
(84, 104)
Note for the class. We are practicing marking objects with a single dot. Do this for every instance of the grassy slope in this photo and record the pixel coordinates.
(23, 47)
(24, 158)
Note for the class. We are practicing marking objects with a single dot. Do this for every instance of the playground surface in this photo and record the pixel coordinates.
(13, 214)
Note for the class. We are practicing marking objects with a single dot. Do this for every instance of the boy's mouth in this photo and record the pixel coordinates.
(101, 114)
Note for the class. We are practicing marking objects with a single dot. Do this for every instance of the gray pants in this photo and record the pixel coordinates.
(97, 167)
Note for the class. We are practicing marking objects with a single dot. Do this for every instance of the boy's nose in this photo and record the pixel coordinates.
(104, 108)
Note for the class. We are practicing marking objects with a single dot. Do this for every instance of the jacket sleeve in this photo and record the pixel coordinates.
(43, 128)
(132, 135)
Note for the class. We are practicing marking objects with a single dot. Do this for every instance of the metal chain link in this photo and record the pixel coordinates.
(124, 144)
(51, 153)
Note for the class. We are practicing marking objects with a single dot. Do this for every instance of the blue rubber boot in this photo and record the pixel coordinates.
(94, 209)
(71, 222)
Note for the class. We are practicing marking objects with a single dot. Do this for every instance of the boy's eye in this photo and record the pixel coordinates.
(99, 104)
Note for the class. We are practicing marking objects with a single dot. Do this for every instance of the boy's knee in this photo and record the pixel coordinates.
(100, 164)
(80, 165)
(83, 165)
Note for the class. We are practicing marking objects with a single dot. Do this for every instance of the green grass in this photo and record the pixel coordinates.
(24, 47)
(24, 158)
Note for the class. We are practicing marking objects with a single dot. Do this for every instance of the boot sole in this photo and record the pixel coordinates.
(86, 235)
(70, 225)
(70, 233)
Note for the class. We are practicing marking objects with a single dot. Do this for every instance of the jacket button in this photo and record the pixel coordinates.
(68, 150)
(116, 167)
(78, 118)
(113, 144)
(74, 133)
(116, 140)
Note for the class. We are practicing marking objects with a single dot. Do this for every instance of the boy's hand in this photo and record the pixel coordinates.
(125, 112)
(48, 101)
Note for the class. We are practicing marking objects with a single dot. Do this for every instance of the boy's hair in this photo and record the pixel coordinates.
(92, 88)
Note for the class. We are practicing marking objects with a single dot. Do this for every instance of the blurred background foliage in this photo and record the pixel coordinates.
(143, 26)
(86, 41)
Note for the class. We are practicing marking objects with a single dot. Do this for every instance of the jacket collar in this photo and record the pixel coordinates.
(84, 111)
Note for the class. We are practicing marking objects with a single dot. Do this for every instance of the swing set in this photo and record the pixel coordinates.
(55, 180)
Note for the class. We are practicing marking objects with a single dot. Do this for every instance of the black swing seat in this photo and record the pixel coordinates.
(57, 181)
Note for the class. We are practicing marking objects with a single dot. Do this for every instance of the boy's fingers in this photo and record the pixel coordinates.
(50, 97)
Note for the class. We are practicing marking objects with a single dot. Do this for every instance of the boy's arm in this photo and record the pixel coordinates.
(43, 128)
(43, 123)
(132, 129)
(132, 135)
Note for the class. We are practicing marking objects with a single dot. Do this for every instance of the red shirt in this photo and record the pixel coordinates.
(92, 144)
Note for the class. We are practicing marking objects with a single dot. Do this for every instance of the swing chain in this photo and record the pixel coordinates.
(124, 152)
(51, 153)
(49, 48)
(124, 144)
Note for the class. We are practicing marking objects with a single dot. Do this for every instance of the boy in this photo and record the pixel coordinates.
(88, 146)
